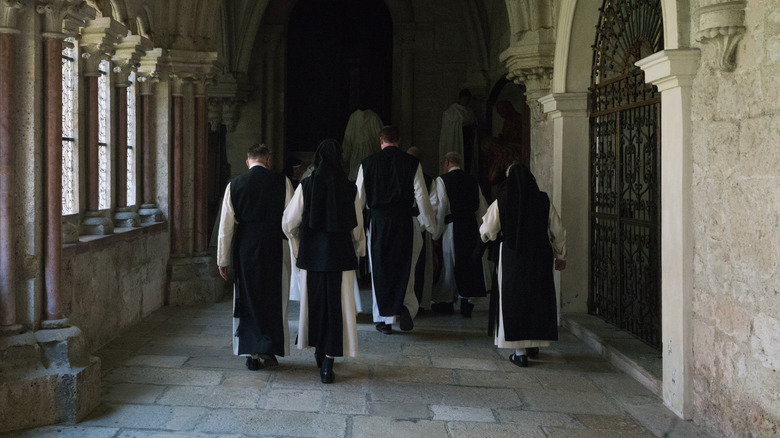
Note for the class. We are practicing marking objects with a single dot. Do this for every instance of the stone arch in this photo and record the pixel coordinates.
(143, 23)
(575, 35)
(119, 11)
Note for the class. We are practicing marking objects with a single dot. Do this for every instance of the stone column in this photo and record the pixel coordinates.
(148, 76)
(126, 60)
(272, 96)
(8, 33)
(97, 44)
(568, 113)
(673, 71)
(177, 168)
(200, 244)
(407, 85)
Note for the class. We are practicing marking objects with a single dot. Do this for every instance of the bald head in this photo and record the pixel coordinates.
(416, 153)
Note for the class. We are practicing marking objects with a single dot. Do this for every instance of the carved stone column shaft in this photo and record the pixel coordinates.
(52, 47)
(7, 183)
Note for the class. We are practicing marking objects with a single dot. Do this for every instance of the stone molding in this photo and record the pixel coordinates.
(722, 24)
(8, 13)
(670, 68)
(126, 217)
(558, 105)
(127, 57)
(63, 18)
(96, 223)
(98, 41)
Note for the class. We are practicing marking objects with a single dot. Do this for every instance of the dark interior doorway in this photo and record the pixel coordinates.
(339, 58)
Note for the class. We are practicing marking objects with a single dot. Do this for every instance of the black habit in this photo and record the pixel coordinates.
(388, 179)
(258, 201)
(527, 287)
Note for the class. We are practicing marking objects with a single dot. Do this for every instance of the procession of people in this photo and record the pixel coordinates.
(425, 240)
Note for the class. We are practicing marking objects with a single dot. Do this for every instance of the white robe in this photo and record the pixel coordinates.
(291, 220)
(361, 138)
(489, 230)
(446, 289)
(451, 135)
(427, 286)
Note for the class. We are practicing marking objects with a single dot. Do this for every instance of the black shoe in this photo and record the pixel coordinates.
(521, 361)
(253, 364)
(442, 307)
(406, 319)
(269, 360)
(319, 357)
(384, 328)
(532, 352)
(466, 308)
(326, 372)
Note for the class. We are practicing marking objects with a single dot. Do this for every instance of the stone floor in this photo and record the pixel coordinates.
(174, 376)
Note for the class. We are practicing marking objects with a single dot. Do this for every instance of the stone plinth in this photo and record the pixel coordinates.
(46, 377)
(193, 280)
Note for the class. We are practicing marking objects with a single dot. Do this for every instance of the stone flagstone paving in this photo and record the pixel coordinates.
(174, 376)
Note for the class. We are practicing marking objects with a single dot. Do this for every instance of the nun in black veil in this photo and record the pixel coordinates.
(324, 222)
(534, 243)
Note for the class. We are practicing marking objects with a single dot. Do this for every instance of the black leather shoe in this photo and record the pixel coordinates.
(406, 319)
(326, 372)
(253, 364)
(442, 307)
(521, 361)
(319, 357)
(466, 308)
(269, 360)
(532, 352)
(384, 328)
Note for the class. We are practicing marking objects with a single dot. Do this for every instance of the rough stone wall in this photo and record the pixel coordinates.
(736, 193)
(111, 283)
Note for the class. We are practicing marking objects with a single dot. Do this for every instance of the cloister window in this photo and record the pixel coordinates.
(104, 128)
(131, 129)
(68, 126)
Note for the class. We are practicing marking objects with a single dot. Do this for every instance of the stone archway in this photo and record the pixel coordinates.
(671, 70)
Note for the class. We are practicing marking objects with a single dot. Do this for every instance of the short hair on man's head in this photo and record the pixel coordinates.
(390, 134)
(465, 93)
(258, 150)
(416, 153)
(454, 158)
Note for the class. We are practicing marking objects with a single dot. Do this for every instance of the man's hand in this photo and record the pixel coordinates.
(560, 265)
(225, 270)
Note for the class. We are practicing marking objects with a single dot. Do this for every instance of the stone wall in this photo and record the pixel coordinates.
(113, 282)
(736, 193)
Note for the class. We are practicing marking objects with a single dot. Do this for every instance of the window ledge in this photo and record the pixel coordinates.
(88, 243)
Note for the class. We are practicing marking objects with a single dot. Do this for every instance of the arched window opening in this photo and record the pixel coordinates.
(69, 57)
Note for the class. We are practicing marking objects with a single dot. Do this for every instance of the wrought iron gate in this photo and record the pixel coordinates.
(625, 153)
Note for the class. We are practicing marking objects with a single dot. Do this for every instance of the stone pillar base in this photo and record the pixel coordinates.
(149, 214)
(193, 280)
(126, 217)
(47, 377)
(95, 223)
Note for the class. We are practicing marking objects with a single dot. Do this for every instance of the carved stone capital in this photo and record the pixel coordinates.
(145, 82)
(537, 80)
(530, 61)
(722, 24)
(64, 17)
(8, 13)
(98, 42)
(127, 57)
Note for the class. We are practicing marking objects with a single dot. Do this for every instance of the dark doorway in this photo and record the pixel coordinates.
(339, 58)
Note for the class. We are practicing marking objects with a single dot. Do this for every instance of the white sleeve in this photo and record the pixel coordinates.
(491, 223)
(482, 209)
(425, 217)
(443, 209)
(291, 219)
(359, 233)
(557, 234)
(227, 222)
(361, 190)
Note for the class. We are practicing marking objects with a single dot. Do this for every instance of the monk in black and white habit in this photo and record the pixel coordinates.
(534, 242)
(390, 183)
(459, 215)
(250, 235)
(324, 222)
